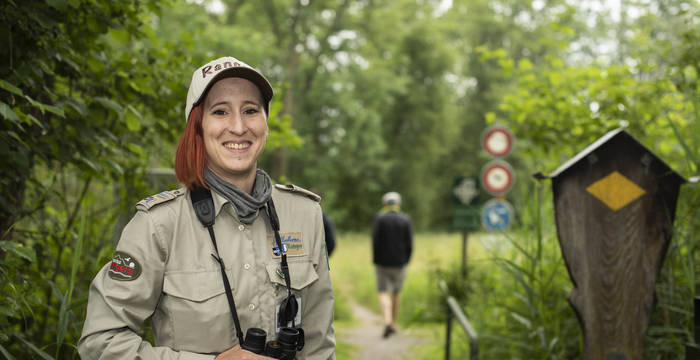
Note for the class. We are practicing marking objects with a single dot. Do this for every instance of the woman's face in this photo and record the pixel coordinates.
(234, 127)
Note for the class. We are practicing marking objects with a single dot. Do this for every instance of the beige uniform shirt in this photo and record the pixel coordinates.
(163, 269)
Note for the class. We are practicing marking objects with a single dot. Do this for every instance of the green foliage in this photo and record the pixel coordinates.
(671, 325)
(91, 95)
(85, 92)
(582, 103)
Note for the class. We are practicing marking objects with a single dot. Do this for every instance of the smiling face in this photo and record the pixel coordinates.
(234, 128)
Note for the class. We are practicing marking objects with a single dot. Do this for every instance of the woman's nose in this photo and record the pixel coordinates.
(236, 125)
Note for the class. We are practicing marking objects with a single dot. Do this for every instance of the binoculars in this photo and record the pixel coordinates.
(289, 341)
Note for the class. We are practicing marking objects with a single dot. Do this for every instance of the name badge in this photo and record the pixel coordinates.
(292, 244)
(297, 317)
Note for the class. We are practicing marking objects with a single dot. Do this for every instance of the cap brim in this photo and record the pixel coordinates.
(244, 73)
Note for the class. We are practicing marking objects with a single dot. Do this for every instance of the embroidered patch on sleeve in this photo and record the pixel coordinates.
(124, 267)
(292, 244)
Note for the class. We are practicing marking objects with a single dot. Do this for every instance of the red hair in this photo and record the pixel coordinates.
(191, 155)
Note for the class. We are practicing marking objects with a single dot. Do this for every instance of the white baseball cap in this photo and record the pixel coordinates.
(215, 70)
(391, 198)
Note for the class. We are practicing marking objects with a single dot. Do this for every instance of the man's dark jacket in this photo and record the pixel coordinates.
(392, 239)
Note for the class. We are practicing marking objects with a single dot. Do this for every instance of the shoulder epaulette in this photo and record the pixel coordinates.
(159, 198)
(296, 189)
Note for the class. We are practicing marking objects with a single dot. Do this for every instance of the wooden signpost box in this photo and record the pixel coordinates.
(614, 205)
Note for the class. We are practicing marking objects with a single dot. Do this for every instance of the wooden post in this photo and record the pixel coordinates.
(614, 206)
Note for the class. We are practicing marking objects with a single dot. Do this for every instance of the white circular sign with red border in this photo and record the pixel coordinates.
(497, 140)
(497, 177)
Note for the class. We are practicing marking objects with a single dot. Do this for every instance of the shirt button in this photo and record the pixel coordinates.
(251, 307)
(246, 266)
(241, 227)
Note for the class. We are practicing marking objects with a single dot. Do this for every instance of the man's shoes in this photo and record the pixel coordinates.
(388, 330)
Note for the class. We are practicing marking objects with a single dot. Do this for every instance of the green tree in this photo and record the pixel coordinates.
(86, 92)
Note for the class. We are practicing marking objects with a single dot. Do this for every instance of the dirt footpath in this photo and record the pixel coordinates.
(367, 338)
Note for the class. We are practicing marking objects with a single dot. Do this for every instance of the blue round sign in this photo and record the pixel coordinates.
(496, 215)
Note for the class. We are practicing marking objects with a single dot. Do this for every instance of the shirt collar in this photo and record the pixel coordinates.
(219, 202)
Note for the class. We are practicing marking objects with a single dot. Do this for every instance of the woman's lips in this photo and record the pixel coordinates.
(237, 145)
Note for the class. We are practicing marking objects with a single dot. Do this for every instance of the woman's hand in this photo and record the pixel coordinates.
(236, 353)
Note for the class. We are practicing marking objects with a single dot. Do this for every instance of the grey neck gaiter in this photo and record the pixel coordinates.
(246, 205)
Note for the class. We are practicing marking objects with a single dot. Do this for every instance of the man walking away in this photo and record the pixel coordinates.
(392, 243)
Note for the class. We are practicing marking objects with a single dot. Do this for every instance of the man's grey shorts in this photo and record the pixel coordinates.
(390, 279)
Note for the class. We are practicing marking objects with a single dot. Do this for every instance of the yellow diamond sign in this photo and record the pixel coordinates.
(615, 190)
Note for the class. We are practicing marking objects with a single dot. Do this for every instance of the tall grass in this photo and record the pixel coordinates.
(46, 269)
(66, 315)
(531, 318)
(678, 283)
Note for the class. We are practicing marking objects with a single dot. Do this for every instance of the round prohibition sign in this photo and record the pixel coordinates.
(497, 140)
(497, 177)
(497, 214)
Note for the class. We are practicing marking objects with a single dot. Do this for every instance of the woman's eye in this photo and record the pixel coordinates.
(250, 111)
(219, 112)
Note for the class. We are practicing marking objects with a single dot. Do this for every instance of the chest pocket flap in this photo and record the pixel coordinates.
(301, 273)
(195, 286)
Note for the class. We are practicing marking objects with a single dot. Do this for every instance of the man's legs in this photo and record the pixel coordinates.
(394, 309)
(387, 307)
(389, 283)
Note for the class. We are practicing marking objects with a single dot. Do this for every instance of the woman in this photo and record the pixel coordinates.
(174, 267)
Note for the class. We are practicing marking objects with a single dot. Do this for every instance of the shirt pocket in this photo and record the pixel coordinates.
(198, 311)
(301, 273)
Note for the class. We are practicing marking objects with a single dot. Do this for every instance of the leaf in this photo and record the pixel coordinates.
(35, 121)
(72, 64)
(55, 110)
(63, 319)
(7, 311)
(521, 319)
(54, 288)
(7, 112)
(132, 123)
(136, 112)
(45, 67)
(121, 36)
(18, 249)
(58, 4)
(110, 105)
(135, 148)
(91, 164)
(115, 166)
(46, 107)
(33, 347)
(78, 106)
(11, 88)
(5, 353)
(690, 155)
